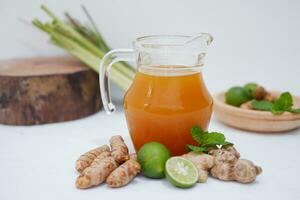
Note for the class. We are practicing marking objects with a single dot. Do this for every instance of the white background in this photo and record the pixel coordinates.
(254, 41)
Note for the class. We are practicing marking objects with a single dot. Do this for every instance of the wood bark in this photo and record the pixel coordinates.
(46, 90)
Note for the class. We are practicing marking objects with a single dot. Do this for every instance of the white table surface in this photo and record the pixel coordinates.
(37, 162)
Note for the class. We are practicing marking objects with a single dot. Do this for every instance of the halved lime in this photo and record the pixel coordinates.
(181, 172)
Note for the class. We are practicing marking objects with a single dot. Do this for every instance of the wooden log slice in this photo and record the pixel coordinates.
(46, 90)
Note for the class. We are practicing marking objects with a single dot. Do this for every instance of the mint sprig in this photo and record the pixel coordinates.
(262, 105)
(283, 104)
(197, 133)
(206, 140)
(196, 148)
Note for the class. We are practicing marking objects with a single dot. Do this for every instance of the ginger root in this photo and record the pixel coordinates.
(224, 164)
(97, 172)
(203, 163)
(269, 97)
(133, 156)
(87, 158)
(259, 93)
(246, 105)
(124, 173)
(115, 167)
(229, 167)
(245, 171)
(119, 149)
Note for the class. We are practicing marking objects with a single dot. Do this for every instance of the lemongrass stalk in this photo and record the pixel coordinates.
(85, 31)
(116, 77)
(88, 58)
(74, 35)
(103, 44)
(52, 15)
(119, 66)
(69, 32)
(65, 36)
(128, 71)
(85, 56)
(82, 41)
(123, 66)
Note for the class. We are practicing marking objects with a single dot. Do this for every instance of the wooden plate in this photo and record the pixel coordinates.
(253, 120)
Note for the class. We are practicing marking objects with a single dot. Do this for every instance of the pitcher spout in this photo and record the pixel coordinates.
(205, 38)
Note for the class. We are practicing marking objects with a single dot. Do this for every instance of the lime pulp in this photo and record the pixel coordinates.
(181, 172)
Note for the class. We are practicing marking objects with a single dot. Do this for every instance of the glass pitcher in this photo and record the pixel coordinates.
(168, 95)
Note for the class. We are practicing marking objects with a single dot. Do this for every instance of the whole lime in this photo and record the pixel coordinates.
(152, 156)
(250, 87)
(236, 96)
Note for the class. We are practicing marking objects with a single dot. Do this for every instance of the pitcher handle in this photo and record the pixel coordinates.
(108, 60)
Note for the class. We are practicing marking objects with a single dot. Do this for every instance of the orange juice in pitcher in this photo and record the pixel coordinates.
(168, 95)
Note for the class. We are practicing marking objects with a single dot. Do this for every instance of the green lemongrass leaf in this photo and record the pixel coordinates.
(75, 24)
(196, 148)
(90, 34)
(95, 35)
(85, 31)
(95, 31)
(261, 105)
(86, 12)
(68, 31)
(38, 24)
(197, 132)
(51, 14)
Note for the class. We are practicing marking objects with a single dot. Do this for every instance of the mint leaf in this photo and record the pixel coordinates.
(294, 110)
(196, 148)
(213, 138)
(262, 105)
(227, 144)
(283, 103)
(206, 140)
(197, 133)
(277, 112)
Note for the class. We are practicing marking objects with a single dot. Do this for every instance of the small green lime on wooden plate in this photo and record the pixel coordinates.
(236, 96)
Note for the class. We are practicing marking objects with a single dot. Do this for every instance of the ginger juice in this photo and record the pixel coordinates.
(163, 107)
